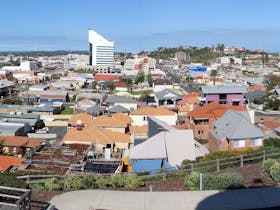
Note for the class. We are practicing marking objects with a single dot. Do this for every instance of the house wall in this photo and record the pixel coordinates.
(205, 128)
(215, 145)
(212, 97)
(129, 106)
(230, 98)
(224, 145)
(140, 120)
(10, 150)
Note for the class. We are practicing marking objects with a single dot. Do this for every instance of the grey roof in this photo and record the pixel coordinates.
(19, 115)
(118, 109)
(46, 92)
(9, 130)
(236, 125)
(94, 110)
(97, 96)
(168, 94)
(6, 83)
(162, 82)
(276, 91)
(120, 99)
(47, 107)
(251, 96)
(223, 89)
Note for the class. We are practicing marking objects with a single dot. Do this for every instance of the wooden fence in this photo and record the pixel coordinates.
(13, 200)
(206, 166)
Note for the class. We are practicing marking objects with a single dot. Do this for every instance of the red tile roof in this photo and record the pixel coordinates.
(213, 110)
(20, 141)
(7, 162)
(107, 77)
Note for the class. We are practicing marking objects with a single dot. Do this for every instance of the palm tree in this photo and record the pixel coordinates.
(213, 74)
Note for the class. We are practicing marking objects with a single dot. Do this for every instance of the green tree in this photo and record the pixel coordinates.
(150, 80)
(140, 77)
(214, 74)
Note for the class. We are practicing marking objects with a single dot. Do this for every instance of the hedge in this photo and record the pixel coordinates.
(214, 182)
(222, 181)
(267, 165)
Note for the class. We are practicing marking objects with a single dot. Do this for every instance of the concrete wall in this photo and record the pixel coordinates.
(140, 120)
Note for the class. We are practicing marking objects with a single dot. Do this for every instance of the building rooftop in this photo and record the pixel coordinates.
(152, 111)
(223, 89)
(213, 110)
(236, 125)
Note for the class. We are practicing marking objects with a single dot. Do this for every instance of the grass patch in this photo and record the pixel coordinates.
(67, 111)
(148, 92)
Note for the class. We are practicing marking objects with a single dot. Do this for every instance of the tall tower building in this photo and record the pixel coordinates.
(101, 51)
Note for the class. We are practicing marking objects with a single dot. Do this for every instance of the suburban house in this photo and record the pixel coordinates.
(118, 109)
(117, 122)
(6, 87)
(140, 116)
(19, 145)
(35, 96)
(202, 118)
(229, 95)
(164, 144)
(7, 163)
(234, 131)
(84, 104)
(167, 99)
(161, 84)
(33, 120)
(96, 97)
(123, 101)
(99, 137)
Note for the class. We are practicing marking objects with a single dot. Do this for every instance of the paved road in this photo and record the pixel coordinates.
(257, 198)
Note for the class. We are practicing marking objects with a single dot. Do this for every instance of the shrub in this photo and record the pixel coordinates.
(117, 181)
(53, 184)
(89, 181)
(101, 182)
(73, 182)
(192, 180)
(37, 187)
(11, 180)
(275, 172)
(267, 166)
(132, 181)
(273, 142)
(222, 181)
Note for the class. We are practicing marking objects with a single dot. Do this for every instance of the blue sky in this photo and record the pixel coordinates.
(136, 25)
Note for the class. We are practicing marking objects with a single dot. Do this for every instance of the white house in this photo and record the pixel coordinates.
(140, 116)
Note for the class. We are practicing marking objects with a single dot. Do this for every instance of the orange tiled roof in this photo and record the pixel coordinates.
(85, 118)
(8, 161)
(138, 129)
(93, 135)
(152, 111)
(19, 141)
(213, 110)
(185, 109)
(108, 121)
(255, 87)
(122, 117)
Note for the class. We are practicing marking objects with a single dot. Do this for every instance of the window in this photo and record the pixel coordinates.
(145, 118)
(14, 149)
(235, 103)
(222, 102)
(239, 143)
(256, 142)
(200, 132)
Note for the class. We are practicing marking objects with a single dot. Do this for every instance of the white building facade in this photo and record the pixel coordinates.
(101, 51)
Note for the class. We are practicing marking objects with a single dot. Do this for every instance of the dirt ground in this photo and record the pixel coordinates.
(252, 175)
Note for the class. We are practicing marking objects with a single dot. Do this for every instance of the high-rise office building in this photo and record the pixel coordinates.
(101, 51)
